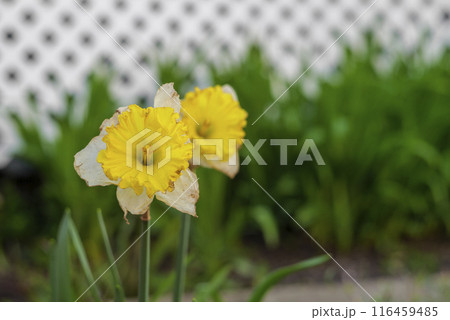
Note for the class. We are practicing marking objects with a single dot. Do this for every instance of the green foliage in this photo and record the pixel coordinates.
(81, 253)
(268, 224)
(384, 136)
(170, 70)
(60, 265)
(61, 186)
(61, 262)
(119, 295)
(276, 276)
(210, 291)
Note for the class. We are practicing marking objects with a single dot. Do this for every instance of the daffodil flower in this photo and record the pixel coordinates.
(145, 153)
(215, 114)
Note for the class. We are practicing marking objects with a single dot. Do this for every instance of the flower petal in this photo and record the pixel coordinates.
(88, 168)
(229, 89)
(230, 168)
(166, 96)
(184, 195)
(129, 201)
(86, 164)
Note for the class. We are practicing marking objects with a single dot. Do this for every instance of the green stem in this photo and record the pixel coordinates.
(181, 264)
(144, 260)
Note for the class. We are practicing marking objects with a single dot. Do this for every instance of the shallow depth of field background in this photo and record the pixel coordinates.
(377, 105)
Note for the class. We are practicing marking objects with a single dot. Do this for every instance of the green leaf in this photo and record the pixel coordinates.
(117, 283)
(60, 264)
(165, 284)
(79, 249)
(210, 290)
(268, 224)
(276, 276)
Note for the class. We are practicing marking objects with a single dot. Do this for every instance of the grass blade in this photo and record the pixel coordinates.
(60, 264)
(118, 288)
(276, 276)
(165, 285)
(210, 291)
(78, 245)
(268, 225)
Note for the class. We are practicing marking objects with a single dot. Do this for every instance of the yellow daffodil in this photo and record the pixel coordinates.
(146, 153)
(215, 122)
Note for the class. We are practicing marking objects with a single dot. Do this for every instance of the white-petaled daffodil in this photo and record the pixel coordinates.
(130, 149)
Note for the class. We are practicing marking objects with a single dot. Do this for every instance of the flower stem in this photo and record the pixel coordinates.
(144, 260)
(181, 263)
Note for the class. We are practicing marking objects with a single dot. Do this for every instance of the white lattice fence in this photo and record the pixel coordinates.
(47, 40)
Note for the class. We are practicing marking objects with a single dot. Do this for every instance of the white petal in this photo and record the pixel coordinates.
(229, 89)
(129, 201)
(88, 168)
(230, 168)
(86, 164)
(166, 96)
(184, 195)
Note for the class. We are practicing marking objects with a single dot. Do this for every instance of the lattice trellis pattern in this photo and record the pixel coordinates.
(44, 42)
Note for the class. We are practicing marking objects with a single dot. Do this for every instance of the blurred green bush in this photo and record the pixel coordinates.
(384, 136)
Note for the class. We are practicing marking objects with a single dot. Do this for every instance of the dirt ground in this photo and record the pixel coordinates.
(408, 289)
